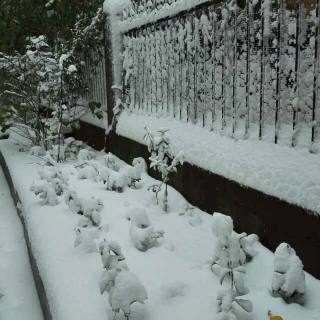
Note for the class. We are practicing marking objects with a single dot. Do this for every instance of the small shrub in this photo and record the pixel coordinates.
(124, 287)
(110, 161)
(162, 160)
(288, 280)
(227, 261)
(132, 176)
(142, 234)
(85, 241)
(46, 192)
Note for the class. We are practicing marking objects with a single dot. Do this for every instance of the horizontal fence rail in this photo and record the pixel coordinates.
(243, 69)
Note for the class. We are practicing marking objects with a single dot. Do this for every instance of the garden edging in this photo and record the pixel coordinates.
(37, 277)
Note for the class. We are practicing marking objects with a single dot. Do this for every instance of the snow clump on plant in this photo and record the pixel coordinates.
(140, 164)
(114, 181)
(288, 279)
(132, 176)
(46, 192)
(230, 249)
(84, 241)
(227, 261)
(86, 154)
(142, 234)
(90, 209)
(110, 161)
(88, 172)
(124, 287)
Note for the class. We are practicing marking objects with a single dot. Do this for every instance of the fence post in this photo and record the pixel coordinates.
(108, 67)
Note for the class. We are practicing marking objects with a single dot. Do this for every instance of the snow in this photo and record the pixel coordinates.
(72, 276)
(289, 276)
(290, 174)
(128, 289)
(20, 299)
(115, 6)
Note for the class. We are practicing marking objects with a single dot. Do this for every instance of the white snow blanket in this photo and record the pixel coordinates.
(176, 274)
(290, 174)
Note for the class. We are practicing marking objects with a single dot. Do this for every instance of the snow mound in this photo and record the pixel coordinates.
(172, 290)
(127, 290)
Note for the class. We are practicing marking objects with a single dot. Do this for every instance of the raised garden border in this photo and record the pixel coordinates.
(34, 267)
(273, 220)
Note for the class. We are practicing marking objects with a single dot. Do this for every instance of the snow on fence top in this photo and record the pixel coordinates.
(287, 173)
(138, 13)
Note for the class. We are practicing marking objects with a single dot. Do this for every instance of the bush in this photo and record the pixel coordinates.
(288, 280)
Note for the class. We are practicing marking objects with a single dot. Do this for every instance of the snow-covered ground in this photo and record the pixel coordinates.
(176, 274)
(290, 174)
(20, 300)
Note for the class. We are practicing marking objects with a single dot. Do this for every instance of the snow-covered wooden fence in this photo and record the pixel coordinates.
(95, 73)
(244, 69)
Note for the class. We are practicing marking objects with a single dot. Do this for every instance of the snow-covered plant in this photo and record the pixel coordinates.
(90, 209)
(162, 160)
(230, 249)
(288, 279)
(225, 307)
(140, 165)
(133, 176)
(37, 151)
(49, 173)
(86, 154)
(85, 241)
(73, 202)
(114, 181)
(58, 186)
(73, 147)
(46, 192)
(110, 161)
(55, 179)
(88, 172)
(228, 259)
(142, 234)
(123, 286)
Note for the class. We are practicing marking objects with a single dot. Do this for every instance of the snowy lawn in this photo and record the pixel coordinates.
(176, 274)
(20, 299)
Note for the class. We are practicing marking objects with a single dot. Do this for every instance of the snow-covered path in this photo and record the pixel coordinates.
(20, 300)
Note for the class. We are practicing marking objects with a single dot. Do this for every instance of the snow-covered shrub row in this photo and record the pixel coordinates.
(108, 171)
(68, 151)
(123, 286)
(162, 160)
(142, 234)
(288, 279)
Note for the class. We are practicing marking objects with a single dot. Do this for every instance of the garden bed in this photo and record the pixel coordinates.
(176, 274)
